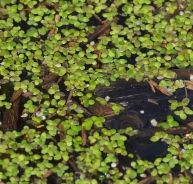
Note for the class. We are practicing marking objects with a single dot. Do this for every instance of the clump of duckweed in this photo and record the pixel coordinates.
(44, 51)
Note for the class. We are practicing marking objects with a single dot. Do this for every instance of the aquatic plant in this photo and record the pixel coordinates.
(48, 61)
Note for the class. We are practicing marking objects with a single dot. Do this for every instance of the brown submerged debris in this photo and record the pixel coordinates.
(101, 110)
(184, 129)
(183, 74)
(47, 174)
(154, 85)
(11, 116)
(154, 101)
(189, 84)
(84, 136)
(62, 132)
(147, 180)
(49, 80)
(101, 29)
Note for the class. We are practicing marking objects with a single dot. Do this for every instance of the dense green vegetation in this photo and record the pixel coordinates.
(45, 56)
